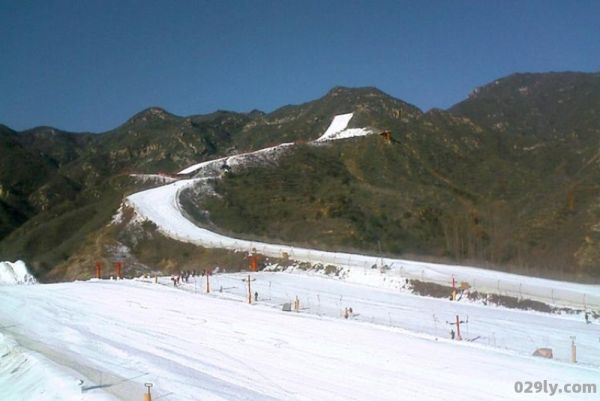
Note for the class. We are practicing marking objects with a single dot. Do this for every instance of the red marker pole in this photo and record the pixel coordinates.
(207, 282)
(98, 270)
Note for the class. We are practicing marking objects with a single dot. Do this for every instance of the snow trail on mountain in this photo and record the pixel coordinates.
(161, 205)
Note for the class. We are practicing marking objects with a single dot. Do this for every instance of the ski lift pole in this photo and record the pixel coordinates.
(207, 282)
(249, 291)
(249, 279)
(148, 395)
(457, 324)
(453, 288)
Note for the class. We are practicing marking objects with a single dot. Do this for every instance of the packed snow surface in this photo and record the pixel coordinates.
(15, 273)
(376, 298)
(29, 376)
(192, 346)
(347, 133)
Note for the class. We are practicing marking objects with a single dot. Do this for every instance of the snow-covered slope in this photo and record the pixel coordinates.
(120, 334)
(15, 273)
(161, 206)
(497, 327)
(338, 129)
(213, 168)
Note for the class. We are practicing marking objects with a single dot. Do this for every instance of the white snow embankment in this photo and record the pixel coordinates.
(29, 376)
(338, 129)
(15, 273)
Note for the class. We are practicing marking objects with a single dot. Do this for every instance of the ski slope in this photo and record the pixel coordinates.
(338, 129)
(161, 206)
(508, 329)
(214, 168)
(119, 334)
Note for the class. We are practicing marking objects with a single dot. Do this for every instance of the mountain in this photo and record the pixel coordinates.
(308, 121)
(507, 179)
(484, 183)
(29, 177)
(543, 106)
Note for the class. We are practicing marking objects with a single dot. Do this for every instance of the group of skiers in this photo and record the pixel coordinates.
(184, 276)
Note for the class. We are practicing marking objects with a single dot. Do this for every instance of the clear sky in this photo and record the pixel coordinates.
(89, 65)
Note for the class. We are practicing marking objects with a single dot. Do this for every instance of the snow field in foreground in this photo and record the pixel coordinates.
(197, 347)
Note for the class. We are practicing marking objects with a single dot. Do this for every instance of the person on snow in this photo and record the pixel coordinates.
(255, 296)
(587, 317)
(452, 334)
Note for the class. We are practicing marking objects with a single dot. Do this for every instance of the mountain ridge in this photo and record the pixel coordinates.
(510, 192)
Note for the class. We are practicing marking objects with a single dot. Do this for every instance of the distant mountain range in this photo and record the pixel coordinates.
(508, 178)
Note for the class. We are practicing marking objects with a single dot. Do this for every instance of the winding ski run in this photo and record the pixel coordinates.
(161, 205)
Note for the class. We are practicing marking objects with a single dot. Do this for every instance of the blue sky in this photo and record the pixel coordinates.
(90, 65)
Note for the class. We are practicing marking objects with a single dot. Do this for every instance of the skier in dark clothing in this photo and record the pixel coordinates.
(255, 296)
(452, 334)
(587, 317)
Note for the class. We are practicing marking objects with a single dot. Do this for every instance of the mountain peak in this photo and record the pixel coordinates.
(364, 91)
(151, 114)
(528, 83)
